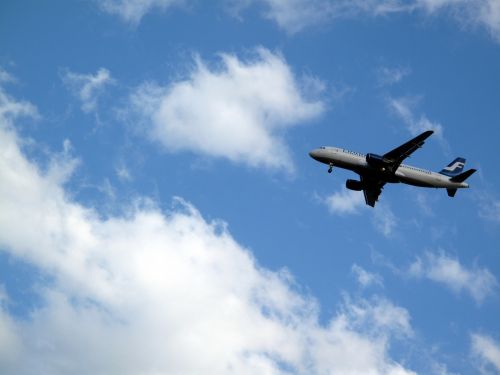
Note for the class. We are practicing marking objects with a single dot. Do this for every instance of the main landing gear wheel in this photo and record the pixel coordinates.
(330, 169)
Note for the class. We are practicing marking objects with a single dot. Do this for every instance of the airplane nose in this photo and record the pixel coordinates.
(317, 154)
(314, 154)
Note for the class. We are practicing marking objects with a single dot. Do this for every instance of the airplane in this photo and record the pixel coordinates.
(377, 170)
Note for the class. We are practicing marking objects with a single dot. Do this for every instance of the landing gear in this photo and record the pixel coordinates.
(330, 168)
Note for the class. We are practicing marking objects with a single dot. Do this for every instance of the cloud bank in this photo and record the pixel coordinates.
(238, 111)
(153, 292)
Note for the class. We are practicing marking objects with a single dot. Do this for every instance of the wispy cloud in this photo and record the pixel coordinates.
(489, 208)
(424, 204)
(6, 76)
(390, 76)
(132, 11)
(404, 108)
(365, 278)
(487, 351)
(10, 108)
(384, 219)
(378, 313)
(478, 282)
(87, 87)
(123, 172)
(294, 16)
(349, 202)
(238, 111)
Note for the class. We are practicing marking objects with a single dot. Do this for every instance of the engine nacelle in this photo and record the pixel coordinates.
(354, 185)
(376, 161)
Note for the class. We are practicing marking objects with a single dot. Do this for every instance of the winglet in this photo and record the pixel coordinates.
(428, 133)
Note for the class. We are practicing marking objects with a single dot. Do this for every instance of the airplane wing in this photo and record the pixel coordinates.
(372, 188)
(395, 157)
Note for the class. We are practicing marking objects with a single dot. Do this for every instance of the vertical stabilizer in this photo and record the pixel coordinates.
(454, 168)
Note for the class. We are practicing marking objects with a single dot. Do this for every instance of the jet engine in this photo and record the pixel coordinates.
(376, 161)
(354, 185)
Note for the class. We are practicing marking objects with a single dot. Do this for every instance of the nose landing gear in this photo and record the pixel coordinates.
(330, 168)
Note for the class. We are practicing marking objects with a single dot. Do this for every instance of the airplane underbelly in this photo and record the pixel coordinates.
(411, 179)
(415, 182)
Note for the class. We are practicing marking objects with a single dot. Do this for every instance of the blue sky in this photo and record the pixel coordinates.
(159, 213)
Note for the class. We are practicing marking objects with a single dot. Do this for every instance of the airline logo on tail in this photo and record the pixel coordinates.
(454, 168)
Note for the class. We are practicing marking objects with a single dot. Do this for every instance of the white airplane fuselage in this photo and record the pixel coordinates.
(356, 162)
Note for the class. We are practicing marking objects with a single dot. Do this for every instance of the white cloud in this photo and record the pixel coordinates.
(87, 87)
(444, 269)
(486, 350)
(238, 111)
(151, 292)
(132, 11)
(154, 292)
(403, 108)
(366, 278)
(345, 202)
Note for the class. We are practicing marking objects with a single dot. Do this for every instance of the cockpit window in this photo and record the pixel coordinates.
(322, 147)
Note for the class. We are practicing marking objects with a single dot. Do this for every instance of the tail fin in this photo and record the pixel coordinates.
(454, 168)
(463, 176)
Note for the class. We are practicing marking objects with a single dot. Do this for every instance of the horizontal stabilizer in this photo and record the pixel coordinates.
(451, 192)
(463, 176)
